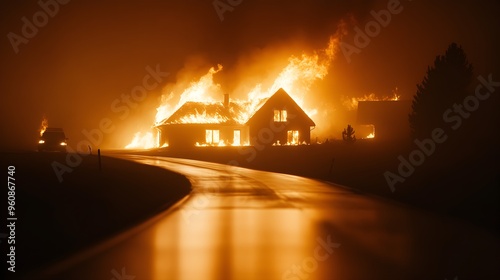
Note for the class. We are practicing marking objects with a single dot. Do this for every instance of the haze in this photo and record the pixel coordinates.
(90, 53)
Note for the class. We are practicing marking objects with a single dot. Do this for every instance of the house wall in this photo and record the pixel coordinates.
(265, 131)
(187, 135)
(261, 129)
(262, 134)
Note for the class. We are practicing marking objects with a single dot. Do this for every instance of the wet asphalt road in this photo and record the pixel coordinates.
(246, 224)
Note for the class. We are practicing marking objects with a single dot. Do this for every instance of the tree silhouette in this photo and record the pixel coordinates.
(348, 134)
(446, 83)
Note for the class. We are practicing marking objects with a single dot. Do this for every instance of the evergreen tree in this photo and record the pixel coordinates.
(446, 83)
(348, 134)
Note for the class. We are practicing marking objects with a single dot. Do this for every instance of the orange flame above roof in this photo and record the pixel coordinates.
(296, 78)
(197, 91)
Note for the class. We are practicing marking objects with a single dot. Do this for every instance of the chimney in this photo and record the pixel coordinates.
(226, 100)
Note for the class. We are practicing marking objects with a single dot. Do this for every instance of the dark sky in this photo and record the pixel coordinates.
(91, 52)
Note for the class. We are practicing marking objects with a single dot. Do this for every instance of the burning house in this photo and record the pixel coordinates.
(275, 120)
(268, 116)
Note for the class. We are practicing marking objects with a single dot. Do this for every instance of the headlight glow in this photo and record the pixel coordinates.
(63, 144)
(41, 141)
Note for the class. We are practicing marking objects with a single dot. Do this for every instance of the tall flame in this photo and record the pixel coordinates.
(197, 91)
(296, 78)
(44, 125)
(300, 74)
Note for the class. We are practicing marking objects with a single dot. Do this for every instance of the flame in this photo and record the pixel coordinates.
(44, 125)
(143, 141)
(296, 78)
(372, 134)
(201, 118)
(352, 102)
(197, 91)
(218, 144)
(299, 75)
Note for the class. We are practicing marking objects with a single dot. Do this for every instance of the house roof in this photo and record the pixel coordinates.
(204, 113)
(216, 113)
(280, 99)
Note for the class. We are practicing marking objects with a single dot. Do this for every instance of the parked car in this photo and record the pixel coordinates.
(53, 140)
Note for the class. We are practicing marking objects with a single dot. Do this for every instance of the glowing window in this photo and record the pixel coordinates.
(212, 136)
(293, 137)
(280, 115)
(237, 137)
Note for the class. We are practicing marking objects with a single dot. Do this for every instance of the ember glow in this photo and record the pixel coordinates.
(44, 125)
(202, 117)
(296, 78)
(143, 141)
(351, 103)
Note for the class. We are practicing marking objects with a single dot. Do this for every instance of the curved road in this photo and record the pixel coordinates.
(246, 224)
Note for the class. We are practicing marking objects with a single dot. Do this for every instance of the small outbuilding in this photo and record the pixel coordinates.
(388, 118)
